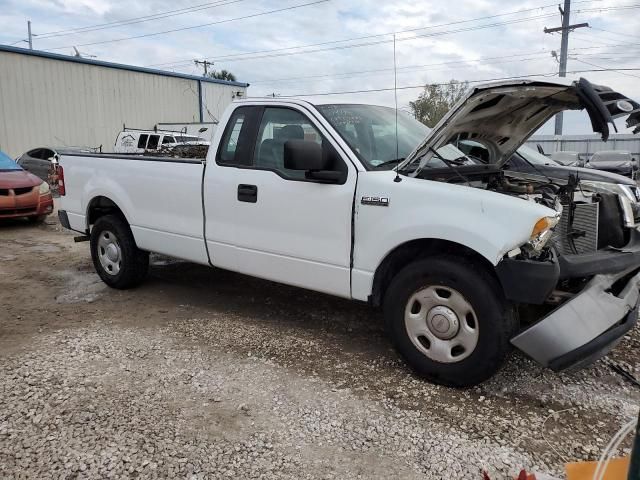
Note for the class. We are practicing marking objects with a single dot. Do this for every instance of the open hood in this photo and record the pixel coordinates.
(503, 115)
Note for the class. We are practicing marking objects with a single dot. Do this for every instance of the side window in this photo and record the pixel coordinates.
(236, 146)
(142, 141)
(166, 139)
(153, 142)
(279, 125)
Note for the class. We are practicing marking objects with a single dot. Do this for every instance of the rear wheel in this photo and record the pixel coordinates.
(448, 318)
(116, 258)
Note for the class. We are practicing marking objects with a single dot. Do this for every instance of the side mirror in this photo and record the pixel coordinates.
(310, 157)
(303, 155)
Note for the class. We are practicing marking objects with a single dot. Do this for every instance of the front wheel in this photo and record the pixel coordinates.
(116, 258)
(448, 318)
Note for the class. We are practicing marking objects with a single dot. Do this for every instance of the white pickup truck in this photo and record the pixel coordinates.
(465, 258)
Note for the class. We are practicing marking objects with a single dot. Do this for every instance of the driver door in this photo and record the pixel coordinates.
(287, 228)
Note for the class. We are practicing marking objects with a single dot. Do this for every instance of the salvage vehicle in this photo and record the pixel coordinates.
(42, 161)
(133, 140)
(22, 194)
(614, 161)
(329, 198)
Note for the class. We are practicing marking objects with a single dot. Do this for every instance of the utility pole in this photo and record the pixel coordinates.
(205, 64)
(564, 47)
(29, 34)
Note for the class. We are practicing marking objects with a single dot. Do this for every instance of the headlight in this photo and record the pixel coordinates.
(44, 188)
(542, 232)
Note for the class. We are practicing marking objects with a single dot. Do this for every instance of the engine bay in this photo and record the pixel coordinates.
(590, 220)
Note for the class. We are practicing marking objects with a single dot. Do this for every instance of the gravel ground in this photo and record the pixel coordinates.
(203, 373)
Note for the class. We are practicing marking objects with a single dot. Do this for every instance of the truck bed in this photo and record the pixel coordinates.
(161, 198)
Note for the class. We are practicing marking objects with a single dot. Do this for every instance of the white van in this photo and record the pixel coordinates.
(131, 140)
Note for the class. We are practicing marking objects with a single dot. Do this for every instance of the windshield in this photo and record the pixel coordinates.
(370, 131)
(535, 157)
(7, 163)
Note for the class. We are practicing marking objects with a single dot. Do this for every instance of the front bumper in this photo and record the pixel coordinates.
(589, 324)
(31, 204)
(586, 327)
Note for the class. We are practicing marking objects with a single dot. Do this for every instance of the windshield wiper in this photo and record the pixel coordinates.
(452, 164)
(384, 165)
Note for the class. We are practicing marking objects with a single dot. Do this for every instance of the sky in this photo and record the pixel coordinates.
(311, 47)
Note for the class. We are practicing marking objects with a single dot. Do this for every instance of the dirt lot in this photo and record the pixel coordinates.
(202, 373)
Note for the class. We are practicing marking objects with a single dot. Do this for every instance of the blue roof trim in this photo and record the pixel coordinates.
(119, 66)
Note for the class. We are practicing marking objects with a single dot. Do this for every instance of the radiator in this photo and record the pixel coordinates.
(585, 219)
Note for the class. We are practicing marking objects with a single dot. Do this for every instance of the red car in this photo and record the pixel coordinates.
(22, 194)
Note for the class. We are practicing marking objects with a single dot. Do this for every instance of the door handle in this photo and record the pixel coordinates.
(247, 193)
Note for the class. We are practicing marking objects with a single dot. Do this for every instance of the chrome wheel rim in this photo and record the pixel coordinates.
(109, 252)
(441, 324)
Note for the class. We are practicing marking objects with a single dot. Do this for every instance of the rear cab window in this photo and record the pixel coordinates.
(236, 146)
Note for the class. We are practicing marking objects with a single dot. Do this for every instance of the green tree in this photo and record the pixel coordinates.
(436, 100)
(223, 75)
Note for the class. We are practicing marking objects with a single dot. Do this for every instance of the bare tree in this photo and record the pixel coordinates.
(436, 100)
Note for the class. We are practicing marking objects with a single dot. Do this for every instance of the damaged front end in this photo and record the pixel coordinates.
(576, 280)
(579, 296)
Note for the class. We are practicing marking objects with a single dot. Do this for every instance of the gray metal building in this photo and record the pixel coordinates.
(57, 100)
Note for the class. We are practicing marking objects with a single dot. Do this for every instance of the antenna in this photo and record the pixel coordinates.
(395, 95)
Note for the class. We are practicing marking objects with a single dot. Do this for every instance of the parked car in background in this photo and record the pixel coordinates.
(132, 140)
(22, 194)
(614, 161)
(41, 161)
(567, 158)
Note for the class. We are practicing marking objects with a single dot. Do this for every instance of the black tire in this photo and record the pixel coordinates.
(496, 318)
(133, 263)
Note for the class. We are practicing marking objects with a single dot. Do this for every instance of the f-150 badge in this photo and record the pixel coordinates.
(377, 201)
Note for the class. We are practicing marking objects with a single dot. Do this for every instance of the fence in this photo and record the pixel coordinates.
(587, 145)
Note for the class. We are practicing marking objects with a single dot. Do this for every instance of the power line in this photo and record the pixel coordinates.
(410, 68)
(366, 37)
(293, 7)
(245, 56)
(235, 58)
(600, 66)
(407, 87)
(134, 20)
(615, 33)
(606, 45)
